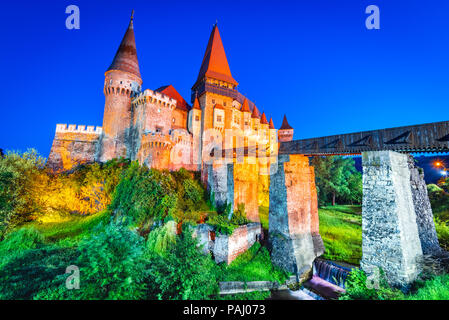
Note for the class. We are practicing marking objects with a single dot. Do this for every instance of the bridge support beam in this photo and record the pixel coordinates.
(390, 232)
(233, 184)
(423, 210)
(293, 215)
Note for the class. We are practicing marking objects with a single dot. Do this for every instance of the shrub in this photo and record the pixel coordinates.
(162, 239)
(20, 176)
(359, 287)
(144, 194)
(183, 273)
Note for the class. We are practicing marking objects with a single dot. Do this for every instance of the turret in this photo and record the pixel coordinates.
(122, 82)
(285, 132)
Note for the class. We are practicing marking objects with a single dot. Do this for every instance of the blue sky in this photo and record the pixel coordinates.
(314, 60)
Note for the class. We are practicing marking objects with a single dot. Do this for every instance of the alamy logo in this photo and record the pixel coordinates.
(373, 20)
(73, 20)
(73, 280)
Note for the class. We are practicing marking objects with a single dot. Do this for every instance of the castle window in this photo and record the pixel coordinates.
(197, 118)
(159, 110)
(218, 118)
(173, 120)
(158, 129)
(224, 104)
(213, 101)
(246, 123)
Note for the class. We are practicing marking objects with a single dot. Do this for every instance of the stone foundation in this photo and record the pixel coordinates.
(293, 215)
(390, 233)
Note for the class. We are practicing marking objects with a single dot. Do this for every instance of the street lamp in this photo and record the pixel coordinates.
(439, 164)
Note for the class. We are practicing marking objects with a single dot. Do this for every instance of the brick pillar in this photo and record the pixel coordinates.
(389, 229)
(423, 210)
(293, 219)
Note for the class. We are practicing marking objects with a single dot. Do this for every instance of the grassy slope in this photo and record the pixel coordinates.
(341, 230)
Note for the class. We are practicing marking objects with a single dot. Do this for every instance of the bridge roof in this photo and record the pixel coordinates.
(430, 137)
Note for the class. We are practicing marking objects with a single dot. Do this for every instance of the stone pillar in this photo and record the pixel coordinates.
(423, 210)
(293, 215)
(246, 187)
(389, 229)
(217, 183)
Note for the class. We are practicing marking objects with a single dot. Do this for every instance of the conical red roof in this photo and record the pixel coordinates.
(215, 64)
(196, 104)
(245, 106)
(263, 118)
(271, 123)
(126, 57)
(285, 125)
(255, 113)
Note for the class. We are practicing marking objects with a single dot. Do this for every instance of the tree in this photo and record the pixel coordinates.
(337, 177)
(20, 176)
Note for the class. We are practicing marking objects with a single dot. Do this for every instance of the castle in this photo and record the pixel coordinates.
(158, 127)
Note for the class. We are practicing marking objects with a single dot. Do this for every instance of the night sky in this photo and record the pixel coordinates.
(314, 60)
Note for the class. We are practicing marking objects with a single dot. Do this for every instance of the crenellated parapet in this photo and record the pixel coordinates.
(154, 97)
(73, 145)
(157, 140)
(73, 128)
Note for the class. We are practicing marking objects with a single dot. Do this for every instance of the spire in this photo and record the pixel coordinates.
(215, 64)
(285, 125)
(263, 118)
(245, 106)
(126, 57)
(271, 123)
(196, 104)
(255, 113)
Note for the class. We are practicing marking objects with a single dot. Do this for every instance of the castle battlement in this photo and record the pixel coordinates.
(73, 128)
(154, 97)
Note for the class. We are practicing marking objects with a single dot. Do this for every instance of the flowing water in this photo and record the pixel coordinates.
(328, 277)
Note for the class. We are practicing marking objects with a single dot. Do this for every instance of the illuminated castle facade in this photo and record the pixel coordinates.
(158, 127)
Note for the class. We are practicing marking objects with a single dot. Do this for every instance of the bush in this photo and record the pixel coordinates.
(162, 239)
(145, 195)
(28, 272)
(183, 273)
(20, 176)
(436, 288)
(112, 266)
(358, 287)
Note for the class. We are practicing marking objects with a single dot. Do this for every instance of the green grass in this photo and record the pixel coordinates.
(253, 265)
(71, 230)
(434, 289)
(341, 230)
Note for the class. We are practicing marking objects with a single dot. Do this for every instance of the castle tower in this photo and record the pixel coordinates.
(285, 132)
(216, 90)
(122, 82)
(194, 125)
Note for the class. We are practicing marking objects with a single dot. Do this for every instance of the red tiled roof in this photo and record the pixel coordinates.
(196, 104)
(245, 106)
(285, 125)
(263, 118)
(256, 113)
(271, 123)
(215, 64)
(126, 57)
(170, 91)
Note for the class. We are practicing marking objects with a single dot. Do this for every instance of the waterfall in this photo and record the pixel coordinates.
(330, 272)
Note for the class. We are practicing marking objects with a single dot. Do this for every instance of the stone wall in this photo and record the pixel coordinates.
(225, 248)
(73, 145)
(389, 229)
(293, 228)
